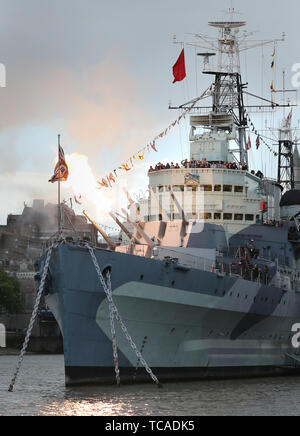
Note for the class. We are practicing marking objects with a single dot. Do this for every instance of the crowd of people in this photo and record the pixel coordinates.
(273, 223)
(199, 164)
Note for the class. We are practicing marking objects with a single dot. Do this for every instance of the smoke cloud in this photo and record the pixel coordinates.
(98, 111)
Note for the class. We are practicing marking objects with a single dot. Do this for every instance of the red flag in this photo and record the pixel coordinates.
(61, 171)
(179, 68)
(257, 142)
(249, 145)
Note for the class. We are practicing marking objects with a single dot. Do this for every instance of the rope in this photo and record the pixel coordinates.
(108, 292)
(261, 137)
(32, 320)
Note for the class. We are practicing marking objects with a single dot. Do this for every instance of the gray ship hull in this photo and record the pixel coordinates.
(188, 323)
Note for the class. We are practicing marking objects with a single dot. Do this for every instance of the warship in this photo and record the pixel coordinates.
(206, 283)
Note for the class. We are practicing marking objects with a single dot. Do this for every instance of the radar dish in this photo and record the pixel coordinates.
(227, 24)
(206, 54)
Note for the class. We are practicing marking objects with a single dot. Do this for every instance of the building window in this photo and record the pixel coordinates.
(239, 189)
(227, 188)
(217, 216)
(238, 217)
(160, 189)
(206, 188)
(205, 216)
(227, 216)
(218, 188)
(249, 217)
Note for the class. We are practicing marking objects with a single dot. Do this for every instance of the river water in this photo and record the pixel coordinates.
(40, 390)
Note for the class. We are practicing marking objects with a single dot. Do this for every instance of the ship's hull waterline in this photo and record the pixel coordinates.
(188, 324)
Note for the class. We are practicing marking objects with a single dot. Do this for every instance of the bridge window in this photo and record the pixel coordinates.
(239, 189)
(227, 216)
(206, 188)
(227, 188)
(238, 217)
(205, 216)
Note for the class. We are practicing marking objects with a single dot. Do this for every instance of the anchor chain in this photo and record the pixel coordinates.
(113, 331)
(108, 293)
(32, 319)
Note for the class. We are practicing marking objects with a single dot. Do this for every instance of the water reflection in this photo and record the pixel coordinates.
(40, 390)
(138, 400)
(278, 396)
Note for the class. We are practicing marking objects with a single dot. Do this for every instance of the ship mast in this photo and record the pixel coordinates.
(228, 88)
(286, 175)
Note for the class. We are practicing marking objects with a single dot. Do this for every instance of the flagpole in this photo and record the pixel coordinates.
(58, 193)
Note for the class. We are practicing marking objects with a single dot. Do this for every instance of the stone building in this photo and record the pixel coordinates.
(22, 241)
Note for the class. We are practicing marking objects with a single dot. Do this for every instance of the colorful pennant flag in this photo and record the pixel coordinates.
(257, 142)
(289, 119)
(103, 183)
(153, 146)
(272, 86)
(249, 145)
(125, 167)
(140, 155)
(111, 178)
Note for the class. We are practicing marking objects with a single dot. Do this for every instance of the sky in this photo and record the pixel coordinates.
(99, 72)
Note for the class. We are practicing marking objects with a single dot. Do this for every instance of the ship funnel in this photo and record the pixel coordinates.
(290, 204)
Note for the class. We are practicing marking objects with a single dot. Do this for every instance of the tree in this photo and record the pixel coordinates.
(10, 296)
